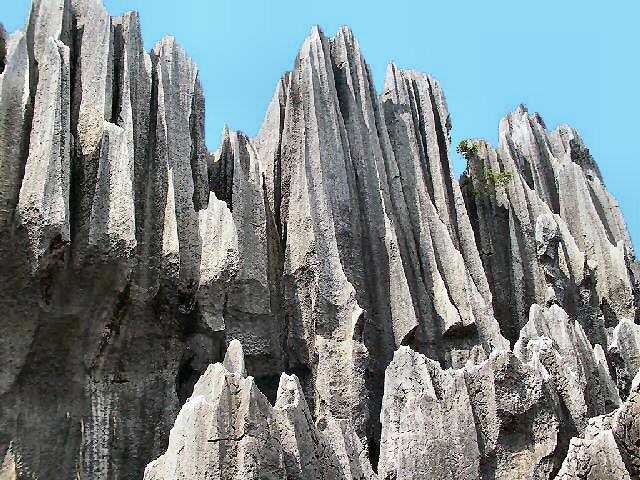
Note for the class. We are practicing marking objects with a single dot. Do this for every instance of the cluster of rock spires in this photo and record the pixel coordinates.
(396, 323)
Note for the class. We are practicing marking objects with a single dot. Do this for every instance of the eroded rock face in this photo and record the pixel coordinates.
(579, 371)
(224, 430)
(624, 352)
(228, 430)
(609, 448)
(508, 416)
(551, 233)
(380, 307)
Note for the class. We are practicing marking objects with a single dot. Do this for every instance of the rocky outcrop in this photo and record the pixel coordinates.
(366, 246)
(14, 113)
(595, 457)
(380, 307)
(225, 430)
(228, 430)
(624, 353)
(548, 230)
(506, 417)
(609, 448)
(420, 412)
(579, 371)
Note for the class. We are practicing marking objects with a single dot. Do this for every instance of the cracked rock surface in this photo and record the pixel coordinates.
(322, 301)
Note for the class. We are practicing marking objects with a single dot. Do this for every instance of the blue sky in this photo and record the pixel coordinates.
(574, 61)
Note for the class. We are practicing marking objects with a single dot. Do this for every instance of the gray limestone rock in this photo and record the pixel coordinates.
(9, 468)
(506, 417)
(179, 177)
(242, 299)
(428, 428)
(307, 454)
(234, 359)
(334, 183)
(226, 430)
(596, 457)
(43, 204)
(454, 292)
(14, 110)
(503, 414)
(626, 429)
(624, 353)
(609, 447)
(576, 367)
(429, 328)
(585, 263)
(112, 226)
(330, 450)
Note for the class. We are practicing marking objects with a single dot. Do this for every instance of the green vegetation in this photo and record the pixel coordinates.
(580, 154)
(487, 182)
(467, 149)
(498, 179)
(466, 181)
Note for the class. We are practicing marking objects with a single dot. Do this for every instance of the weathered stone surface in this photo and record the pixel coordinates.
(584, 384)
(132, 74)
(585, 263)
(456, 292)
(334, 182)
(47, 19)
(10, 466)
(507, 417)
(112, 227)
(244, 300)
(626, 429)
(332, 451)
(318, 218)
(94, 70)
(226, 430)
(503, 414)
(43, 205)
(234, 359)
(596, 457)
(428, 428)
(335, 246)
(306, 453)
(14, 108)
(180, 178)
(609, 448)
(624, 352)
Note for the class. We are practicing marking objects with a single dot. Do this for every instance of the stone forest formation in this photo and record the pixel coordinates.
(322, 301)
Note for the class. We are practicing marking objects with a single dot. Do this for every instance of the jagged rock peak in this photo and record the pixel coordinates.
(508, 415)
(228, 429)
(539, 199)
(234, 359)
(224, 430)
(609, 447)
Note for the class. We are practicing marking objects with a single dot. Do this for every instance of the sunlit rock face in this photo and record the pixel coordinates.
(552, 234)
(380, 318)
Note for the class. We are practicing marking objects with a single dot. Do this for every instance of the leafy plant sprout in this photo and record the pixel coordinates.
(467, 149)
(489, 180)
(498, 179)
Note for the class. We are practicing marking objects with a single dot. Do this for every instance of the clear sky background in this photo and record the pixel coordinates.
(574, 61)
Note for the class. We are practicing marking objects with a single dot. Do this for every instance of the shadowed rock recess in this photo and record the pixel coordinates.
(380, 319)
